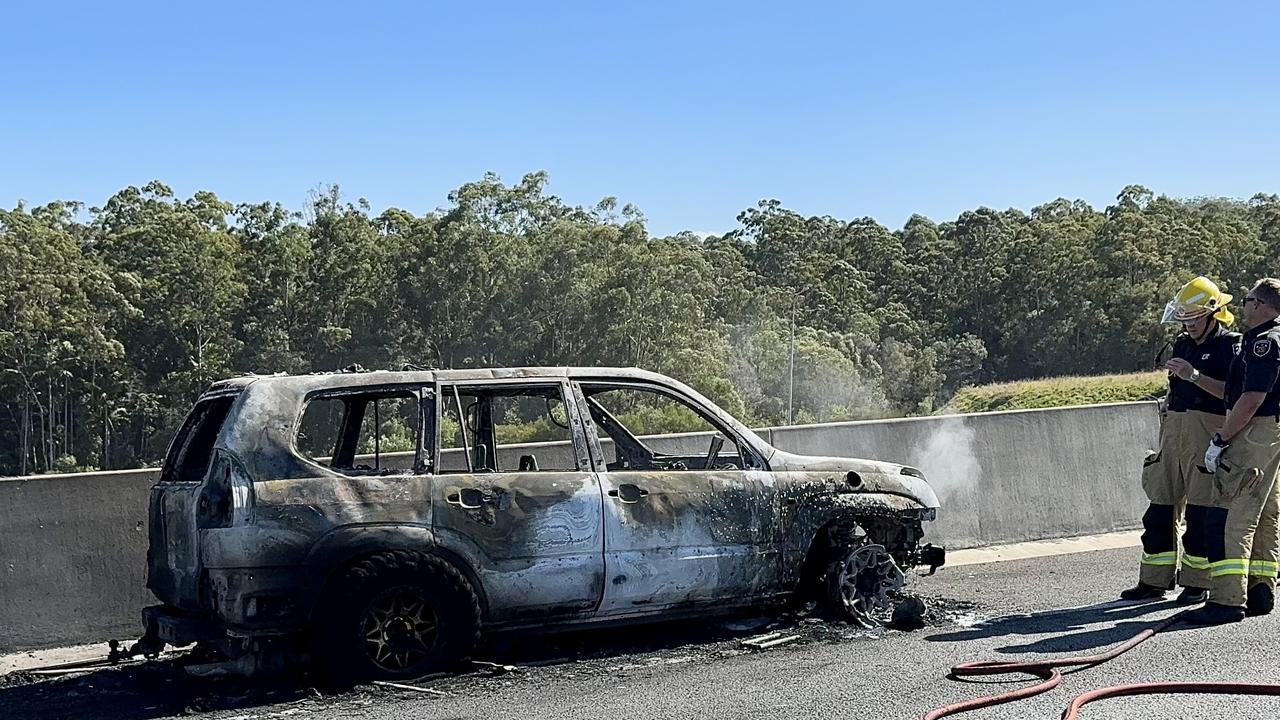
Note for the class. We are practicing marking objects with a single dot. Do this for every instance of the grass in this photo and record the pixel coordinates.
(1059, 392)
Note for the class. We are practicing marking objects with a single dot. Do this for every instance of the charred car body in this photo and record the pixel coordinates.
(385, 518)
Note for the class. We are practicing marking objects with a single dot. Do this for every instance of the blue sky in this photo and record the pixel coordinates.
(693, 111)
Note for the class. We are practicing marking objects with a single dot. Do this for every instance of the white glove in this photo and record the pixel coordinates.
(1214, 454)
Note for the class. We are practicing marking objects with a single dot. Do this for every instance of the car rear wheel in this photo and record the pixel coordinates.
(395, 616)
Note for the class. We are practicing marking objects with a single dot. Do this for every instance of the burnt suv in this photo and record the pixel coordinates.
(385, 518)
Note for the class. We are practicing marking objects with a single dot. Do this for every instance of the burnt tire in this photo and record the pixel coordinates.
(394, 616)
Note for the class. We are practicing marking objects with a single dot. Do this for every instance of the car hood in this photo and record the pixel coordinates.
(876, 476)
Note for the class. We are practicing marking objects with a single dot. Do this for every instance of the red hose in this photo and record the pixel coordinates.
(1161, 688)
(1050, 673)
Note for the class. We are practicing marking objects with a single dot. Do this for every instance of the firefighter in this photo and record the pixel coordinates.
(1202, 356)
(1243, 457)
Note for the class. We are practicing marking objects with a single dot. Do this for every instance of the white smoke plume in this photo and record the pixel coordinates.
(948, 458)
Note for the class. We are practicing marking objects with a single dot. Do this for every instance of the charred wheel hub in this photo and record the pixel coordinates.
(399, 629)
(863, 579)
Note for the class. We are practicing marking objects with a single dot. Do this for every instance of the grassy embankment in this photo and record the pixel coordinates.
(1059, 392)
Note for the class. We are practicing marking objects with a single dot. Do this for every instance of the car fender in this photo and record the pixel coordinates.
(342, 546)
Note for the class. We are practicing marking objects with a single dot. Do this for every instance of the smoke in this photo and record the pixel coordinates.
(948, 458)
(827, 385)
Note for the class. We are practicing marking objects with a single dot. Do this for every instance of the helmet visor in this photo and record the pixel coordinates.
(1176, 312)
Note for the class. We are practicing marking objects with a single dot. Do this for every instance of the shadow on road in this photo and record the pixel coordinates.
(1061, 624)
(162, 689)
(138, 692)
(1089, 639)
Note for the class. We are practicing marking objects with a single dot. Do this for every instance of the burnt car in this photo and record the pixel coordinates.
(379, 521)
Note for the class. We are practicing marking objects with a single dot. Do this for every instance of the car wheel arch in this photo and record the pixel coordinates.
(820, 551)
(342, 548)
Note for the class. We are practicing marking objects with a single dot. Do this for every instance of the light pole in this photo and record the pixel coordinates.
(791, 368)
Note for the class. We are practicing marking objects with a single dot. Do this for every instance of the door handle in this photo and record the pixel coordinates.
(628, 493)
(469, 498)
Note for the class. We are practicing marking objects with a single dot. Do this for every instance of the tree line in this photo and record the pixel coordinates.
(114, 318)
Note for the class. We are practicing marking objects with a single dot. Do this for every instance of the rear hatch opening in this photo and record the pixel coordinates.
(173, 552)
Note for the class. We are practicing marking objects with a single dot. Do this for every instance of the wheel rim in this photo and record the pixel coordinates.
(864, 580)
(400, 629)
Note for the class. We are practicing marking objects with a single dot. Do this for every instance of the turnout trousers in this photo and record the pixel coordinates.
(1241, 521)
(1173, 485)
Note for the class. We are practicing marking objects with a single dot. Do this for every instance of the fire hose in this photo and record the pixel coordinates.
(1050, 674)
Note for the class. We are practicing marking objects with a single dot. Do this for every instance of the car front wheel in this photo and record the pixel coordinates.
(860, 581)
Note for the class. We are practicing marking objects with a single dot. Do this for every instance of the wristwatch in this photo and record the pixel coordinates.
(1195, 375)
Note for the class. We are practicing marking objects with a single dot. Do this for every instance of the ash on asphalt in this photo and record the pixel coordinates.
(17, 678)
(161, 688)
(588, 653)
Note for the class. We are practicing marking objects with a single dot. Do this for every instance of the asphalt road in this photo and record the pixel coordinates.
(1009, 610)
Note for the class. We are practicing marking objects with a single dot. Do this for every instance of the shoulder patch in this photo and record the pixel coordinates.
(1262, 347)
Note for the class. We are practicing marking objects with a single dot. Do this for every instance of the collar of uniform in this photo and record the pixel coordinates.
(1264, 327)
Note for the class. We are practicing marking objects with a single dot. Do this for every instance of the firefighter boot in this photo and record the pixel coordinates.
(1261, 600)
(1192, 596)
(1214, 614)
(1142, 591)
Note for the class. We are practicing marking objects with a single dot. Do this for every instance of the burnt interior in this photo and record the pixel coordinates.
(631, 453)
(480, 411)
(192, 448)
(345, 431)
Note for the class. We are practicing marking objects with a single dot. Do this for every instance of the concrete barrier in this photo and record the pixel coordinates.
(73, 547)
(73, 556)
(1010, 476)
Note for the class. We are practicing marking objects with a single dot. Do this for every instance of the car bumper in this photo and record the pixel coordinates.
(178, 628)
(236, 603)
(257, 601)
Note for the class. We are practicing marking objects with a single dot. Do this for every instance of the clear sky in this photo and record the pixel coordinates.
(691, 110)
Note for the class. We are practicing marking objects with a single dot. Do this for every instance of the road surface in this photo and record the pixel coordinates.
(1007, 610)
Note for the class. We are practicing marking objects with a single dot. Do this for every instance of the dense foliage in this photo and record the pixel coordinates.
(113, 318)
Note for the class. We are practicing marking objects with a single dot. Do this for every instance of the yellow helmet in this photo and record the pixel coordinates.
(1197, 298)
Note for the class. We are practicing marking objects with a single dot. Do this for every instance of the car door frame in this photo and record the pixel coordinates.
(645, 576)
(423, 393)
(528, 581)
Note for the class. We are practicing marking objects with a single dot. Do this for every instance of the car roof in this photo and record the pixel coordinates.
(352, 378)
(273, 398)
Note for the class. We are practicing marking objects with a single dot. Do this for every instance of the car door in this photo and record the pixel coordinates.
(677, 532)
(526, 516)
